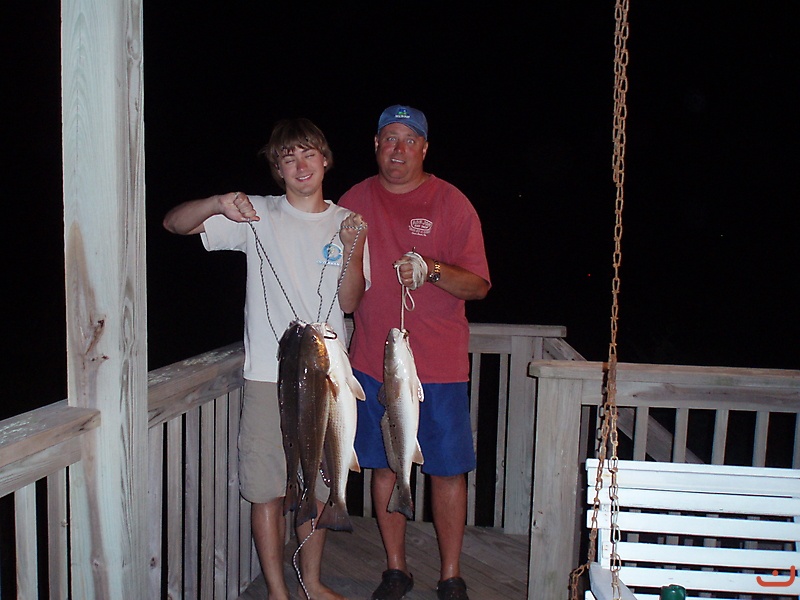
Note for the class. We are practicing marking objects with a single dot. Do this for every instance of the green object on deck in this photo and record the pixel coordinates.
(672, 592)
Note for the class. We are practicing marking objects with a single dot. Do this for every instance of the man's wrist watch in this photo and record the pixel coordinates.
(434, 275)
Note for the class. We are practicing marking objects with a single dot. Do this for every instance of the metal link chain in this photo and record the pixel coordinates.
(358, 229)
(608, 412)
(264, 257)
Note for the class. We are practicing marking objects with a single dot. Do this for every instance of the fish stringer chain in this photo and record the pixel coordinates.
(263, 257)
(295, 555)
(358, 229)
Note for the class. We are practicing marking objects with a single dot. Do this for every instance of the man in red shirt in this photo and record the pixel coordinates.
(431, 233)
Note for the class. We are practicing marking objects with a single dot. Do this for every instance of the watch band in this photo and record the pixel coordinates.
(436, 274)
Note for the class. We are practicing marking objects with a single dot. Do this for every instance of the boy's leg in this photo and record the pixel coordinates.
(311, 560)
(269, 530)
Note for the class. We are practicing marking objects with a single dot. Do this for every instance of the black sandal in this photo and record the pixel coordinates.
(395, 584)
(452, 589)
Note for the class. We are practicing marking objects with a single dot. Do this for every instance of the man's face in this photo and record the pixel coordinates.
(400, 152)
(302, 170)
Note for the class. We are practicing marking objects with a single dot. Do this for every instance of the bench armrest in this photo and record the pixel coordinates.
(600, 583)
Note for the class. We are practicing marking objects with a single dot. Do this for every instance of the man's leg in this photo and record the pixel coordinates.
(391, 525)
(396, 581)
(449, 504)
(269, 530)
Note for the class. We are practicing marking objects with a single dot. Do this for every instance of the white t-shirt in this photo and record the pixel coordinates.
(293, 270)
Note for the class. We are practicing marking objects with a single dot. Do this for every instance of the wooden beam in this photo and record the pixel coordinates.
(104, 232)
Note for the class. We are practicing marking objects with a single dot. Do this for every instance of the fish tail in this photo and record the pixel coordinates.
(334, 516)
(400, 500)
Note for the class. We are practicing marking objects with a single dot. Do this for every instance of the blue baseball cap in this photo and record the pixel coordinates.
(405, 115)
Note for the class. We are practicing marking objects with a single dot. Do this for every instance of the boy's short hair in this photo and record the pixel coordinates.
(288, 134)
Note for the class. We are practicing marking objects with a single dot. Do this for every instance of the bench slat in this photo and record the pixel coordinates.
(701, 526)
(702, 478)
(701, 556)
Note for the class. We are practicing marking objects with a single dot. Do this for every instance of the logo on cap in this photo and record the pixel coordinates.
(406, 115)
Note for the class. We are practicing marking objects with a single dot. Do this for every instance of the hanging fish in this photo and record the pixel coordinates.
(400, 394)
(340, 455)
(314, 395)
(288, 357)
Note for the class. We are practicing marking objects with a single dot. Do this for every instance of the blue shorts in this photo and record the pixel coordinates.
(445, 432)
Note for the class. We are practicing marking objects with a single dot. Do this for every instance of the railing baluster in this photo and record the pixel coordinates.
(155, 497)
(57, 523)
(27, 555)
(502, 428)
(174, 519)
(760, 439)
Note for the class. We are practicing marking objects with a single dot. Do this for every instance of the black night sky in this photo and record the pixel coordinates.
(520, 109)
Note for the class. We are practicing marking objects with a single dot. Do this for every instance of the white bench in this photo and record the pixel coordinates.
(709, 528)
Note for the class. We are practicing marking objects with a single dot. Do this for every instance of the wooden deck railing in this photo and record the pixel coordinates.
(199, 533)
(667, 413)
(36, 449)
(534, 404)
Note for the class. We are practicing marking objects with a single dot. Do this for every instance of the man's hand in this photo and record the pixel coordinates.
(412, 270)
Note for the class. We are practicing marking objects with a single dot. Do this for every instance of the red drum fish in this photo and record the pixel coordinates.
(314, 397)
(340, 455)
(288, 356)
(400, 394)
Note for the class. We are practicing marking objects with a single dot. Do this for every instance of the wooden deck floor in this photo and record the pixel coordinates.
(494, 565)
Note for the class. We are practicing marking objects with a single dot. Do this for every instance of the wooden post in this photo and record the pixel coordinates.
(519, 441)
(555, 487)
(104, 217)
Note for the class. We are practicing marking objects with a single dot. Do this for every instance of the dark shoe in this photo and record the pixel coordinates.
(394, 585)
(452, 589)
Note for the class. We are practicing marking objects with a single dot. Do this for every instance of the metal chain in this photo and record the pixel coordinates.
(264, 257)
(358, 229)
(608, 411)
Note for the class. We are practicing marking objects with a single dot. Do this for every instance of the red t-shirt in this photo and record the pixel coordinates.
(437, 221)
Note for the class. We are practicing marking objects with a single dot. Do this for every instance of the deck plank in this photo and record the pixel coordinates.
(493, 564)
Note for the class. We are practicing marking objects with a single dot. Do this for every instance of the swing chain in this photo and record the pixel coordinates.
(608, 411)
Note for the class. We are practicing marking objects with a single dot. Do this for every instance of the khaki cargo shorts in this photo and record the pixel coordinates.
(262, 462)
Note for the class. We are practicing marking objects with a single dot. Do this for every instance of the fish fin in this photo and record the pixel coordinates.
(334, 516)
(382, 395)
(417, 457)
(400, 500)
(355, 386)
(354, 466)
(331, 387)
